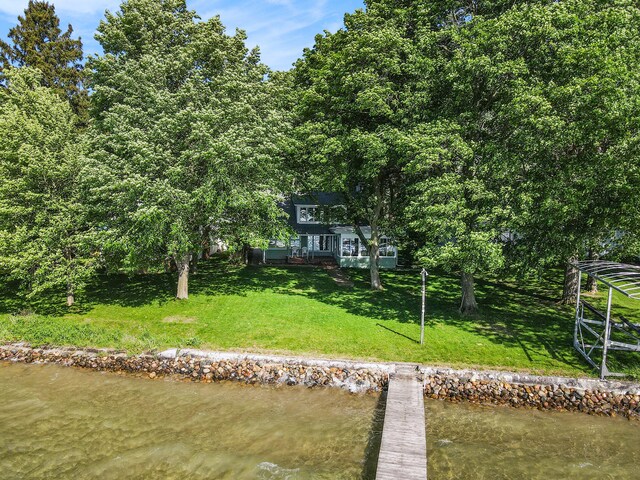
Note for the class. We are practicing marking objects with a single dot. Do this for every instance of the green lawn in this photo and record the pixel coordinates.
(301, 310)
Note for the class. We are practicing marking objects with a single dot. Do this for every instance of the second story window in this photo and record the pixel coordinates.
(308, 215)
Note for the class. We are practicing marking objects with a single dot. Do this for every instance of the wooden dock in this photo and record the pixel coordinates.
(403, 450)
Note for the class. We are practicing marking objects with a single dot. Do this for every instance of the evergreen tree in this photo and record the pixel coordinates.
(37, 41)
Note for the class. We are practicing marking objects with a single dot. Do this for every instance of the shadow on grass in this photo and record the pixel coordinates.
(521, 314)
(119, 289)
(397, 333)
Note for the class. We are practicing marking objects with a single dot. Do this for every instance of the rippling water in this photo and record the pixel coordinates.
(63, 423)
(472, 442)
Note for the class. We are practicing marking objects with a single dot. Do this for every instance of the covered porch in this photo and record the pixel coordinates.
(306, 248)
(352, 253)
(311, 247)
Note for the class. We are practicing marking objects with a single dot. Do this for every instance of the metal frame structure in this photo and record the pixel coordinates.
(591, 321)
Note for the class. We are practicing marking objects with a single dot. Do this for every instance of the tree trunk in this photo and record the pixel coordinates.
(374, 257)
(468, 305)
(570, 289)
(183, 276)
(592, 283)
(373, 244)
(71, 299)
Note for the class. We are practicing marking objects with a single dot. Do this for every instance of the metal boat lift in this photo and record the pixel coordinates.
(591, 322)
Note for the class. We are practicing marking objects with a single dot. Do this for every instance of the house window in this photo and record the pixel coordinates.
(386, 248)
(350, 247)
(307, 214)
(364, 251)
(322, 243)
(276, 244)
(326, 243)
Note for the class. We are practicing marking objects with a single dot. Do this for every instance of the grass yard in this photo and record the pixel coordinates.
(302, 310)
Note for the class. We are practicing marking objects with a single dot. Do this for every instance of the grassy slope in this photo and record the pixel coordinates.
(302, 310)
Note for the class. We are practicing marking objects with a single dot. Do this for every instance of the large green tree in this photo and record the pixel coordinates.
(556, 93)
(455, 207)
(37, 41)
(46, 241)
(453, 204)
(375, 103)
(536, 142)
(185, 136)
(357, 90)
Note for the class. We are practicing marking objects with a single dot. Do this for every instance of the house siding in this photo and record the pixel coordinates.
(363, 262)
(276, 254)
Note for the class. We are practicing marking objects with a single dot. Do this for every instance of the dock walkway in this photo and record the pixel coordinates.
(403, 450)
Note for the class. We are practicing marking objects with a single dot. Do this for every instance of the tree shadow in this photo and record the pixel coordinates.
(399, 301)
(525, 317)
(542, 291)
(113, 289)
(522, 316)
(518, 314)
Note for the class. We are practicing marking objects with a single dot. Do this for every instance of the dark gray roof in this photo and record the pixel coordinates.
(314, 198)
(318, 198)
(302, 228)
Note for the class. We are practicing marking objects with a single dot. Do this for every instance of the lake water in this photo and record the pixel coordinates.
(64, 423)
(473, 442)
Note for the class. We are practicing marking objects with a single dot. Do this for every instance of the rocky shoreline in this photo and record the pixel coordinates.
(589, 396)
(498, 388)
(208, 367)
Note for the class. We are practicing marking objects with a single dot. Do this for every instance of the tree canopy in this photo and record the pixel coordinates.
(185, 135)
(357, 91)
(46, 240)
(452, 117)
(555, 94)
(482, 135)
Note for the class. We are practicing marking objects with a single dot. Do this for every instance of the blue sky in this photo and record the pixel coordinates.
(282, 28)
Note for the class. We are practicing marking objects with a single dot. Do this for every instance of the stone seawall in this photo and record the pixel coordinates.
(483, 387)
(590, 396)
(209, 367)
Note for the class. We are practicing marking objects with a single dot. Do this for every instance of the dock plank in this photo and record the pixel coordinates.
(403, 449)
